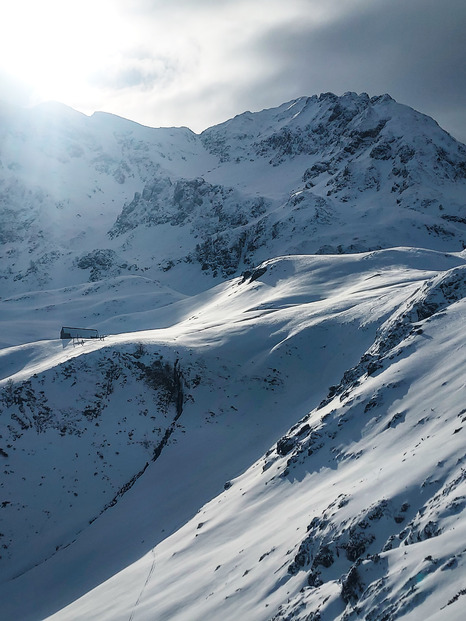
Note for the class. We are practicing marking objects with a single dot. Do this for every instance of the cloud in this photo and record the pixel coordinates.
(143, 71)
(190, 62)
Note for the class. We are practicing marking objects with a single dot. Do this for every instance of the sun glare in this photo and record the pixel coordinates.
(55, 46)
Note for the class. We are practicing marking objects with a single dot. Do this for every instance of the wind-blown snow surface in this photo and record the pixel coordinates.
(273, 427)
(359, 506)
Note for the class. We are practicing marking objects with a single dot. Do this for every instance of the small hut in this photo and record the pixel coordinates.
(78, 333)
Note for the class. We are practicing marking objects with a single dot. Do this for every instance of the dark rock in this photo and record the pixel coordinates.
(285, 444)
(352, 586)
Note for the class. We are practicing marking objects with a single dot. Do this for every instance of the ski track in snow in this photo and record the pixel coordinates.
(149, 576)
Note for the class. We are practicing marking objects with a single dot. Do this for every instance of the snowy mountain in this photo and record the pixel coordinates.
(273, 425)
(88, 202)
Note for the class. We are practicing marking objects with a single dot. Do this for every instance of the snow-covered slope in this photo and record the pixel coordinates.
(357, 513)
(273, 425)
(112, 446)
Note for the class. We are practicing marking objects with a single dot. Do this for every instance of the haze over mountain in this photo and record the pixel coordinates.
(273, 424)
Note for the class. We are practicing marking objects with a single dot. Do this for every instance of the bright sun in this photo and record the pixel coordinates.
(55, 46)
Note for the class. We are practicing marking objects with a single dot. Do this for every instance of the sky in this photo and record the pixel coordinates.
(197, 63)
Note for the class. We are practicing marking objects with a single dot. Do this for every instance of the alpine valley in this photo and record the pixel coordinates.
(272, 424)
